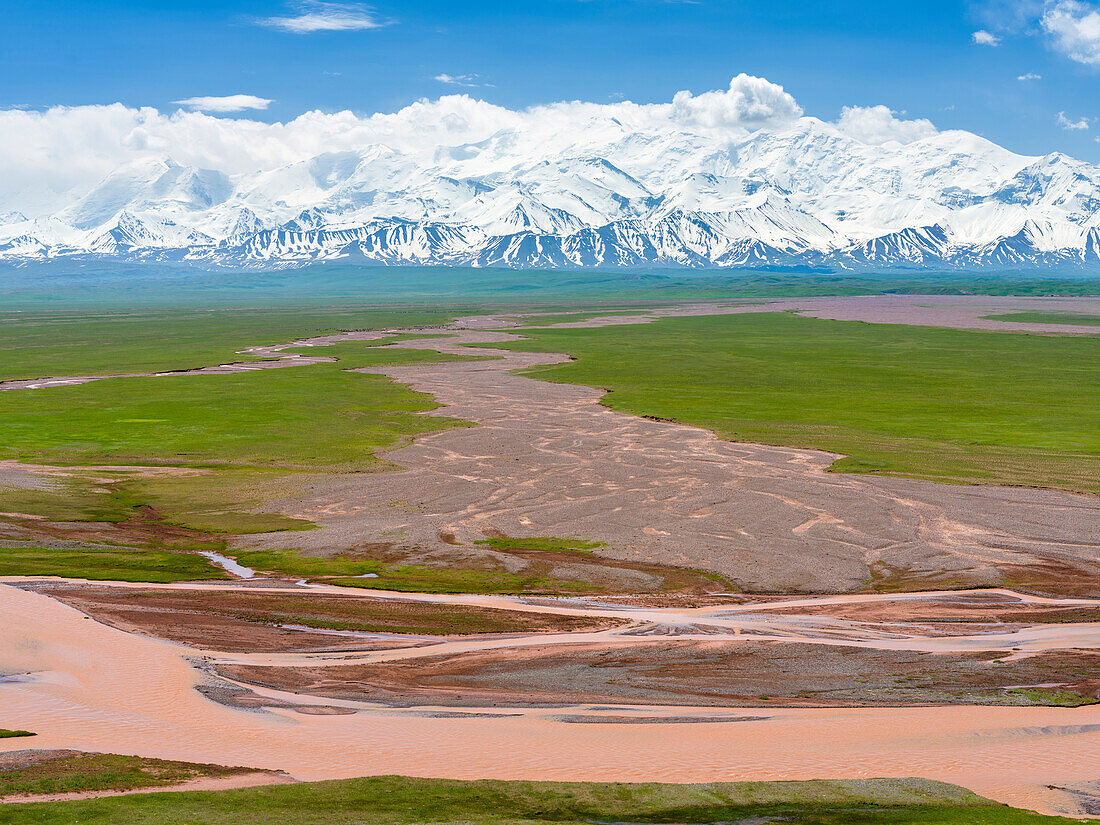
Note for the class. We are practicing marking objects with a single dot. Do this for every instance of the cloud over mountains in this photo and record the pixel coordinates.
(46, 157)
(732, 177)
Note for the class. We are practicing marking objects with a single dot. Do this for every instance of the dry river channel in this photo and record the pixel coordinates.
(549, 460)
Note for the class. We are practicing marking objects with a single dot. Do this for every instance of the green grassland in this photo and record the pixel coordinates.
(318, 416)
(392, 800)
(930, 403)
(36, 344)
(13, 734)
(241, 439)
(350, 571)
(1074, 318)
(106, 563)
(923, 402)
(1054, 698)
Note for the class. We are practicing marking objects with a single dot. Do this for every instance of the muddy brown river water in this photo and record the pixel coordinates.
(80, 684)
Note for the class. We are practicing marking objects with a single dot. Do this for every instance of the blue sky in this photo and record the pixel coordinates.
(920, 58)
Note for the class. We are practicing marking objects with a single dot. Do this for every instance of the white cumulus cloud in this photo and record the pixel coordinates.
(880, 124)
(315, 16)
(985, 38)
(1030, 76)
(49, 158)
(1079, 125)
(228, 103)
(1073, 28)
(469, 80)
(749, 103)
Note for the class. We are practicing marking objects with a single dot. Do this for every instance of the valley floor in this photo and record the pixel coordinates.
(641, 644)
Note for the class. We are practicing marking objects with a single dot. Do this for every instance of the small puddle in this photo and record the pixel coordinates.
(229, 565)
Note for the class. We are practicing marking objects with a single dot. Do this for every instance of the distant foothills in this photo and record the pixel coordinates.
(609, 195)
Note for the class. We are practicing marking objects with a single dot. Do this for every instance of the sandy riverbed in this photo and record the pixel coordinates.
(83, 685)
(549, 459)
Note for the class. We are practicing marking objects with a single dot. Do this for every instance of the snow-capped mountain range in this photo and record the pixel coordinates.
(806, 194)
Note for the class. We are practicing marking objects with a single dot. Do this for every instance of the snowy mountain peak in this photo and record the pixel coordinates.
(612, 192)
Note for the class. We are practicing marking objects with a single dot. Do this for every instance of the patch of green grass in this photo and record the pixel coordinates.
(244, 439)
(389, 800)
(217, 501)
(320, 416)
(1073, 318)
(349, 570)
(103, 563)
(13, 734)
(290, 563)
(84, 772)
(234, 523)
(394, 616)
(546, 544)
(41, 344)
(1055, 698)
(942, 404)
(415, 579)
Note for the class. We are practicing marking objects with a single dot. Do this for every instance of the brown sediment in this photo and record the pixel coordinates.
(236, 696)
(243, 620)
(55, 657)
(745, 674)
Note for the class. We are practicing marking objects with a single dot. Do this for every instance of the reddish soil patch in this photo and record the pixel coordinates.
(690, 672)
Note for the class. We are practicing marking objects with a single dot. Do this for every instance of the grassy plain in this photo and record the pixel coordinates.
(942, 404)
(357, 571)
(403, 801)
(233, 440)
(931, 403)
(104, 562)
(37, 344)
(307, 417)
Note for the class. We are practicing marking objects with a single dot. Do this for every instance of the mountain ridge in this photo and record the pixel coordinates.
(808, 195)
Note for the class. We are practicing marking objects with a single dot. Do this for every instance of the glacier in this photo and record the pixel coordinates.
(804, 195)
